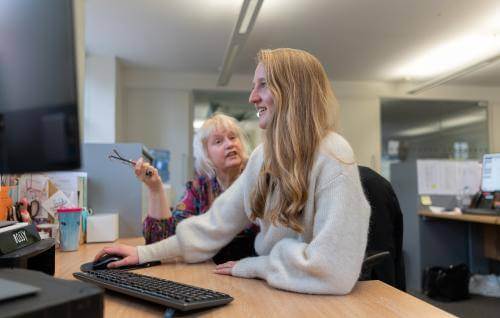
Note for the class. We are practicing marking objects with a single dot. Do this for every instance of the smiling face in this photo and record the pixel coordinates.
(262, 98)
(224, 149)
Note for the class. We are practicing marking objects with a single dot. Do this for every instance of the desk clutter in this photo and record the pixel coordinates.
(55, 203)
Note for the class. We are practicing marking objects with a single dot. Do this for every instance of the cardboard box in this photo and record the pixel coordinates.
(102, 228)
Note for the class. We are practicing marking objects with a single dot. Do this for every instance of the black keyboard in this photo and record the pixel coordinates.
(481, 211)
(161, 291)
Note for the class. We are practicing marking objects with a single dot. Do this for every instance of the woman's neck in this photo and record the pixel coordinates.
(227, 177)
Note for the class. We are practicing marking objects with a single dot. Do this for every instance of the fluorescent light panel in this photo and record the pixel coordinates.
(466, 53)
(241, 31)
(447, 123)
(225, 74)
(247, 18)
(450, 56)
(453, 75)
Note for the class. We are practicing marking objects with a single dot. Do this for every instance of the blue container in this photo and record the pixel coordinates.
(69, 228)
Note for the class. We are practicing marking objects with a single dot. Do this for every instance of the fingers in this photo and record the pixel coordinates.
(99, 254)
(123, 262)
(144, 169)
(114, 249)
(138, 167)
(225, 269)
(129, 253)
(229, 264)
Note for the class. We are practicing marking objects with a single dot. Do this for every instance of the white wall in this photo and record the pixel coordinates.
(119, 113)
(100, 100)
(360, 124)
(162, 118)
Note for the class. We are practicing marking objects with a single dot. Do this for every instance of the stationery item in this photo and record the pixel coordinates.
(425, 200)
(26, 211)
(56, 201)
(71, 183)
(102, 228)
(116, 157)
(448, 177)
(5, 202)
(48, 230)
(69, 228)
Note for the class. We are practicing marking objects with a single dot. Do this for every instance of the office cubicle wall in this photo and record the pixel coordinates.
(113, 187)
(429, 242)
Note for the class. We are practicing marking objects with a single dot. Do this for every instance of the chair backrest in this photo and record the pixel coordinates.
(386, 230)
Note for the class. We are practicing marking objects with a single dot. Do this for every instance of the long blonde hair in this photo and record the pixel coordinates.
(305, 111)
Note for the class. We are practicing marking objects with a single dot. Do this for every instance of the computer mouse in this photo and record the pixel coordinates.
(103, 261)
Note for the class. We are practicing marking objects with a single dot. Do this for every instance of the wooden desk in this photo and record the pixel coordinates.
(485, 219)
(252, 297)
(490, 223)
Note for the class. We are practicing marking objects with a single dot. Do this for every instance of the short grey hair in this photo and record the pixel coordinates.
(202, 163)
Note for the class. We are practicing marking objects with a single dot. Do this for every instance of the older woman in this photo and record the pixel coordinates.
(220, 156)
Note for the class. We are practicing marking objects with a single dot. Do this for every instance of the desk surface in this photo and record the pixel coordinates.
(252, 297)
(485, 219)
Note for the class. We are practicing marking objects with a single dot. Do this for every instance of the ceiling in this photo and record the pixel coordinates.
(361, 40)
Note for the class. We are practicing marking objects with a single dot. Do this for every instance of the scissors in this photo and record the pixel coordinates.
(115, 156)
(33, 208)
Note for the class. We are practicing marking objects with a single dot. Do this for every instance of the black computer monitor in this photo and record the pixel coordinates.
(491, 173)
(38, 87)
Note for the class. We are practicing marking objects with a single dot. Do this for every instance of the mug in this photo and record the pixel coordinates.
(69, 228)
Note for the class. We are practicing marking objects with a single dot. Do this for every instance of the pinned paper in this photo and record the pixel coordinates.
(68, 183)
(425, 200)
(448, 177)
(56, 201)
(33, 187)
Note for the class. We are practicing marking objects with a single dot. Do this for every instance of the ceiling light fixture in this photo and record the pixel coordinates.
(444, 124)
(244, 24)
(225, 74)
(440, 80)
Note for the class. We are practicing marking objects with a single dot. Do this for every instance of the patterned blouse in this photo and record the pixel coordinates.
(199, 195)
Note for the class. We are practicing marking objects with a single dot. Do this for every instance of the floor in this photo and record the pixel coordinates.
(475, 307)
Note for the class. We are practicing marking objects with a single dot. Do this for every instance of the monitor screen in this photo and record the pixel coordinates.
(491, 173)
(38, 88)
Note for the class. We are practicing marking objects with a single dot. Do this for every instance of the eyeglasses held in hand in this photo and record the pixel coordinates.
(116, 157)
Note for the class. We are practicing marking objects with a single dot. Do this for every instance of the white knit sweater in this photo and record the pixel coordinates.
(325, 259)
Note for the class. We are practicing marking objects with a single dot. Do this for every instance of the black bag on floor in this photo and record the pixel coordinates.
(447, 284)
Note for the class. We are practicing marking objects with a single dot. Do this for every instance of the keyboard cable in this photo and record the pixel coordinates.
(169, 313)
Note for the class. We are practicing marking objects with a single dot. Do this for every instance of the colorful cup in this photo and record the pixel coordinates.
(69, 228)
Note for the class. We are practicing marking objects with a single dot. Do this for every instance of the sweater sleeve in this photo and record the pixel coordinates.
(198, 238)
(155, 230)
(331, 262)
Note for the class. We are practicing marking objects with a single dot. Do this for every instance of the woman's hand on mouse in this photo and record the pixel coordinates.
(129, 254)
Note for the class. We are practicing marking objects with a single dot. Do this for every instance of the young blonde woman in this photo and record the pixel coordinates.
(301, 186)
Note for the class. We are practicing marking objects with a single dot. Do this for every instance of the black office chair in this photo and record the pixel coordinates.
(384, 258)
